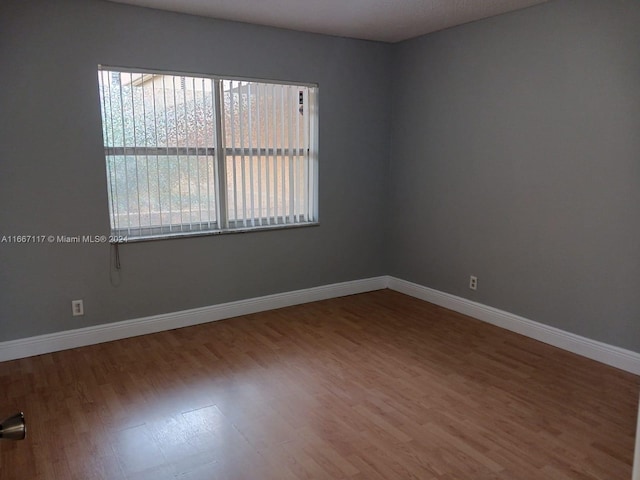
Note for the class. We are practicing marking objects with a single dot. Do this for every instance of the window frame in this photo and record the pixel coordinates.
(222, 224)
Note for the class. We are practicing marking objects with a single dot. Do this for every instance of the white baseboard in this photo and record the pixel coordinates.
(27, 347)
(601, 352)
(608, 354)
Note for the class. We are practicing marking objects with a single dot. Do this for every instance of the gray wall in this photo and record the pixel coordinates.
(52, 174)
(516, 157)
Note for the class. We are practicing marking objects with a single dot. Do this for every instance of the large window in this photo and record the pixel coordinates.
(188, 155)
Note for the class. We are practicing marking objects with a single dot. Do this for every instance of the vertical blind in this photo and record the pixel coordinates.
(192, 154)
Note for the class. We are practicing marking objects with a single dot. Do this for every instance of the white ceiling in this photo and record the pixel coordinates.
(383, 20)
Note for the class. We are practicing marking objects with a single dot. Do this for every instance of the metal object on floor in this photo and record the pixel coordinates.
(13, 428)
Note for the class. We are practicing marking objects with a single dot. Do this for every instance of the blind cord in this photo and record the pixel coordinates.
(114, 265)
(117, 252)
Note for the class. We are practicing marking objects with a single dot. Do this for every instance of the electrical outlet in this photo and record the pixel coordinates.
(473, 282)
(77, 308)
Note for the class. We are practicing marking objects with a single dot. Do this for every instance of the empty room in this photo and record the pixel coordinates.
(295, 239)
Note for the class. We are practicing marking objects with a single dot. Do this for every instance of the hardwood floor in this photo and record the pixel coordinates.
(372, 386)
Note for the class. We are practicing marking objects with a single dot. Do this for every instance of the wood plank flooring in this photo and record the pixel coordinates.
(366, 387)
